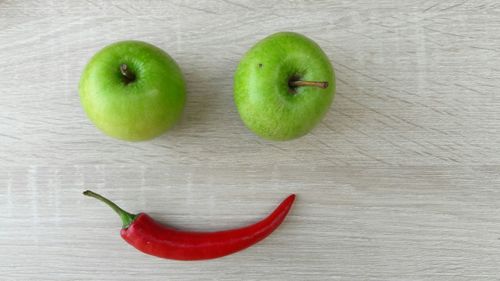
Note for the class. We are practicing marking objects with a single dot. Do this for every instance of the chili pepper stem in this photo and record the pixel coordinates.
(126, 217)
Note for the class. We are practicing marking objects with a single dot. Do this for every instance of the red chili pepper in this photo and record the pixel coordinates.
(150, 237)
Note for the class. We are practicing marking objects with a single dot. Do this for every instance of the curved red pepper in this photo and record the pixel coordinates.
(152, 238)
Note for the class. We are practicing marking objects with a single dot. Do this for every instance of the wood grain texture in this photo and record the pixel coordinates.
(399, 182)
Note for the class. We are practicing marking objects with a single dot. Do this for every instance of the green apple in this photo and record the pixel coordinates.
(132, 90)
(283, 86)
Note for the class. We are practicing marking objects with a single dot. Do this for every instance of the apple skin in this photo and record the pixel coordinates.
(142, 109)
(262, 94)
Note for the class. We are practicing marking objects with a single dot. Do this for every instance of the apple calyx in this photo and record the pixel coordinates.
(128, 75)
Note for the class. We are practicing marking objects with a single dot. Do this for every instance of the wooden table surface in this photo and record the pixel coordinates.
(400, 181)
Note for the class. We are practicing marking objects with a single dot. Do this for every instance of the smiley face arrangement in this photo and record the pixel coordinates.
(134, 91)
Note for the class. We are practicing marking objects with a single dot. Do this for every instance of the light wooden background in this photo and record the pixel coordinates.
(399, 182)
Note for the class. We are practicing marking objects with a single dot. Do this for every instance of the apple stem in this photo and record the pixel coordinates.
(128, 76)
(299, 83)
